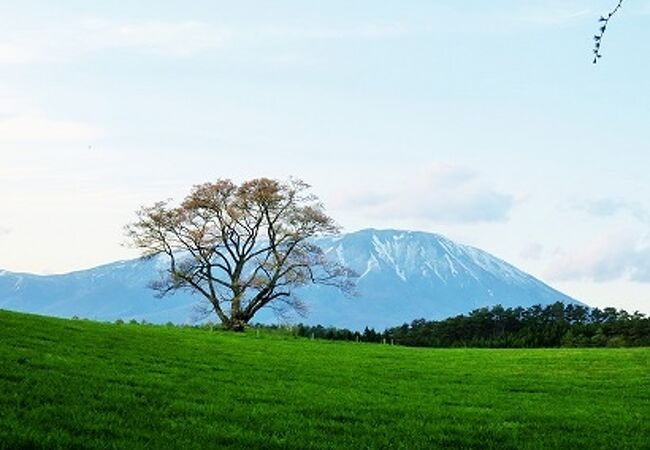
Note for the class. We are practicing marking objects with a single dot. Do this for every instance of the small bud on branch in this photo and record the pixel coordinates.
(599, 37)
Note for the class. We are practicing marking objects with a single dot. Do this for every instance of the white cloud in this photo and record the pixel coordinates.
(532, 251)
(464, 206)
(607, 207)
(550, 16)
(32, 129)
(74, 39)
(4, 230)
(615, 256)
(11, 53)
(69, 41)
(174, 38)
(448, 175)
(365, 31)
(441, 193)
(22, 123)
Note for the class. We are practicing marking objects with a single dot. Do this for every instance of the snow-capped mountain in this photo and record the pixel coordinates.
(403, 275)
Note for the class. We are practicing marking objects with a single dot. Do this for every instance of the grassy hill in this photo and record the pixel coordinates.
(79, 384)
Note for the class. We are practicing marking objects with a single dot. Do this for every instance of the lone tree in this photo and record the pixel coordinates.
(242, 247)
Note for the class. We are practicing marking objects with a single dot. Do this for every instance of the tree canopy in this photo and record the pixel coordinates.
(241, 247)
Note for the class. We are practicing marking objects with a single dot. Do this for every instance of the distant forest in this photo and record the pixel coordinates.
(555, 325)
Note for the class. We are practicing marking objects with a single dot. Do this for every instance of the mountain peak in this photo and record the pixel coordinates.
(403, 275)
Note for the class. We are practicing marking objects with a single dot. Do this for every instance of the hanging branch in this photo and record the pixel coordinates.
(598, 38)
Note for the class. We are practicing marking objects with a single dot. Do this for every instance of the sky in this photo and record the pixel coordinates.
(483, 121)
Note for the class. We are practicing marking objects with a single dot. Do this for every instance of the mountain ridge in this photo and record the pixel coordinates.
(403, 275)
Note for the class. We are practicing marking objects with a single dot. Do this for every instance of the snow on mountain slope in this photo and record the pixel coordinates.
(403, 275)
(406, 275)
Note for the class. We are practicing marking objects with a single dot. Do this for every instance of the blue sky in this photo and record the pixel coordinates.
(484, 121)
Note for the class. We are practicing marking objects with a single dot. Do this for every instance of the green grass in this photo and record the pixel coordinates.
(80, 384)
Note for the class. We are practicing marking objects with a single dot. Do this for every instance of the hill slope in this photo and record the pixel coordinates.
(79, 384)
(404, 275)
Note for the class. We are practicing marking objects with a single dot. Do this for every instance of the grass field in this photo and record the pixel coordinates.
(80, 384)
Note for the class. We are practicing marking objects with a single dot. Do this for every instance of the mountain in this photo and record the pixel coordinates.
(404, 275)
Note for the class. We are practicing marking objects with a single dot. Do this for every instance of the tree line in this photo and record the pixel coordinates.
(555, 325)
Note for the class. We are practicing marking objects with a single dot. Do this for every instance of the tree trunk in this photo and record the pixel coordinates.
(238, 324)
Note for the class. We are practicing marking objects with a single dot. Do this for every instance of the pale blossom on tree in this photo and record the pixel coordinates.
(242, 247)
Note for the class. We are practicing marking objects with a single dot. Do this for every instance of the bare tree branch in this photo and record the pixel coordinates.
(604, 22)
(242, 247)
